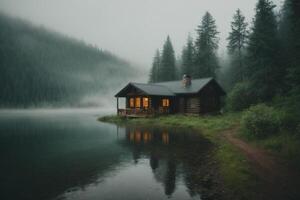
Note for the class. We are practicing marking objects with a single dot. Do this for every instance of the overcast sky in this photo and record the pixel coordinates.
(132, 29)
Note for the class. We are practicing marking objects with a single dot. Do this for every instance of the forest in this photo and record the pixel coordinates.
(262, 73)
(39, 67)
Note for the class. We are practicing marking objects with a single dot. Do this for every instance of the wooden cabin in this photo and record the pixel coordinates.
(197, 96)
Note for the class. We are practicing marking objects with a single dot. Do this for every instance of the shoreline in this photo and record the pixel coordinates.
(241, 163)
(234, 170)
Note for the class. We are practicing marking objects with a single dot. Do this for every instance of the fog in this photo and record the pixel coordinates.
(132, 29)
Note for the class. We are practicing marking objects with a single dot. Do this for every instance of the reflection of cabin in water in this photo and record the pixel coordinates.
(138, 136)
(196, 96)
(173, 155)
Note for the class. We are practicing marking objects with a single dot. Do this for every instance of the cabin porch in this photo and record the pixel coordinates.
(144, 106)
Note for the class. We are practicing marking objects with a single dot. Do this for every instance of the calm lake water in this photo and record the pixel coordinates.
(70, 155)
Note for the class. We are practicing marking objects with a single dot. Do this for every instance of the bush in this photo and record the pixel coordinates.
(240, 97)
(290, 106)
(261, 121)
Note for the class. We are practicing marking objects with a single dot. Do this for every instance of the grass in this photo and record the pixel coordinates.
(284, 144)
(204, 123)
(236, 172)
(234, 169)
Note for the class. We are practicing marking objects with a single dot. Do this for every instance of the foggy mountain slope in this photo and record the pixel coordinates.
(40, 67)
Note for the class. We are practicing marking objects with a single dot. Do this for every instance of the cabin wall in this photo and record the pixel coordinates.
(192, 105)
(206, 101)
(188, 104)
(155, 103)
(210, 99)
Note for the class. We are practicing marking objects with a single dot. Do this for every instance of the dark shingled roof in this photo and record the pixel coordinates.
(178, 88)
(154, 89)
(170, 88)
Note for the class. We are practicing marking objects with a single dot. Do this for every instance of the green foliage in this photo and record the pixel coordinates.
(289, 105)
(238, 36)
(155, 70)
(206, 45)
(240, 97)
(289, 30)
(208, 124)
(263, 68)
(40, 67)
(236, 47)
(261, 121)
(188, 53)
(167, 69)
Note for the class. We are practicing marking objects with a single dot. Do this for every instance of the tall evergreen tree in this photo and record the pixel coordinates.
(290, 37)
(155, 70)
(187, 65)
(263, 68)
(236, 46)
(206, 45)
(168, 68)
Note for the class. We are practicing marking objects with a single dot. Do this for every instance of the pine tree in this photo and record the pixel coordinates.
(168, 69)
(289, 30)
(263, 68)
(188, 57)
(155, 70)
(236, 46)
(206, 62)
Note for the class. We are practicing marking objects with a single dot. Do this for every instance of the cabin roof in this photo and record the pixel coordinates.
(154, 89)
(178, 88)
(170, 88)
(148, 89)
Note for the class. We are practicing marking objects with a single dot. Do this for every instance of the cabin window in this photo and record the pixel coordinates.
(146, 102)
(137, 102)
(165, 102)
(131, 102)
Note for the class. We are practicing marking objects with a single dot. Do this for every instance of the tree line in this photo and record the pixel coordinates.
(198, 58)
(39, 67)
(264, 57)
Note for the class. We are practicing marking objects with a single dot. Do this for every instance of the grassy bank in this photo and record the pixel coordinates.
(234, 169)
(284, 144)
(207, 124)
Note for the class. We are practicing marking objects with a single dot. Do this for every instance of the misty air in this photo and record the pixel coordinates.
(140, 99)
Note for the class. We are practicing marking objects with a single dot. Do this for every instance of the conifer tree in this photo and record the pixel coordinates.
(236, 46)
(289, 30)
(263, 68)
(206, 45)
(168, 69)
(187, 65)
(155, 70)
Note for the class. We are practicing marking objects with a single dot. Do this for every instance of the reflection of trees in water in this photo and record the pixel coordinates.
(170, 178)
(172, 155)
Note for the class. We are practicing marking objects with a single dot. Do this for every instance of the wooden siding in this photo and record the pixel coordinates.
(208, 100)
(192, 105)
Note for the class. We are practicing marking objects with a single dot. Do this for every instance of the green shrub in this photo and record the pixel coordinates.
(261, 121)
(290, 106)
(240, 97)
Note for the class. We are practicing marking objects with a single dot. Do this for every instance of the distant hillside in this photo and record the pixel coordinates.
(40, 67)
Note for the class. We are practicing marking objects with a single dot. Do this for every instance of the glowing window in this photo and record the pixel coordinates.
(146, 102)
(165, 102)
(131, 102)
(138, 102)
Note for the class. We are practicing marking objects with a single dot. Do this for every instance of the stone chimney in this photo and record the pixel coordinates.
(186, 80)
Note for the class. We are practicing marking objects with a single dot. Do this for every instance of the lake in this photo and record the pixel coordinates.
(68, 154)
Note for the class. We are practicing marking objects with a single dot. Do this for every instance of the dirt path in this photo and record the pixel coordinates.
(279, 180)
